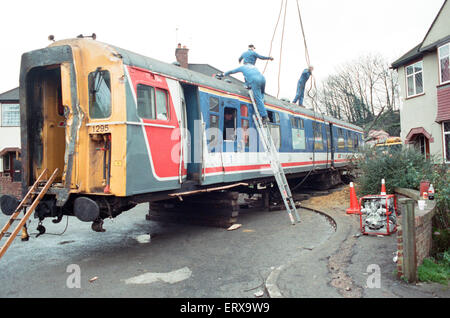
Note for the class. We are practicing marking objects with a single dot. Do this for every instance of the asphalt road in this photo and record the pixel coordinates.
(186, 261)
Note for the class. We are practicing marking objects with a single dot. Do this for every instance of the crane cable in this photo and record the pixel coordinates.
(283, 3)
(281, 48)
(274, 32)
(308, 62)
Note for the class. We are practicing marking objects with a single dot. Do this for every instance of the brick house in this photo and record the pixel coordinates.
(10, 167)
(424, 78)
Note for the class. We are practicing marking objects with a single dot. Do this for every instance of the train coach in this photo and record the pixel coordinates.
(125, 129)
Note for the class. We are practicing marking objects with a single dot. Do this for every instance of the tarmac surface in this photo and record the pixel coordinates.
(323, 256)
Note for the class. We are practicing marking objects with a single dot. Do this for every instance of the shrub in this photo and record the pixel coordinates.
(400, 168)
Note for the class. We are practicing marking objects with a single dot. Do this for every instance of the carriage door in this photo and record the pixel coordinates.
(330, 143)
(159, 111)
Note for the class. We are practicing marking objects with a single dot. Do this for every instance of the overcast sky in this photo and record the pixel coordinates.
(217, 32)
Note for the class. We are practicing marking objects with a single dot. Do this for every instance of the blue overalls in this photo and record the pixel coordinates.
(250, 57)
(257, 82)
(301, 87)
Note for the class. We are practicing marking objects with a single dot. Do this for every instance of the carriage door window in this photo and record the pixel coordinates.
(213, 132)
(298, 134)
(349, 141)
(341, 139)
(318, 138)
(274, 125)
(355, 142)
(229, 124)
(162, 112)
(244, 126)
(99, 84)
(327, 129)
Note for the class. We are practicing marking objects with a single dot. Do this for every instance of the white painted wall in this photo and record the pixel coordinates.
(9, 137)
(421, 111)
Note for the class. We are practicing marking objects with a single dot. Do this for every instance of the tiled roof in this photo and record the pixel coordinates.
(10, 95)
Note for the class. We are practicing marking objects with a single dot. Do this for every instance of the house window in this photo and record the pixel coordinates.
(6, 162)
(10, 115)
(444, 68)
(447, 140)
(414, 79)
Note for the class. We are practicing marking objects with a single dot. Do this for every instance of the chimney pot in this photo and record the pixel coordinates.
(182, 55)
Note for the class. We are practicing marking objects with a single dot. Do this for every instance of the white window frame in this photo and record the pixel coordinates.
(439, 60)
(3, 115)
(444, 133)
(414, 79)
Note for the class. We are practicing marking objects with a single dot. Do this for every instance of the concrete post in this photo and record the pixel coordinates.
(409, 239)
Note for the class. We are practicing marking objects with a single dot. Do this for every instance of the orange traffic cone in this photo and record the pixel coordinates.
(383, 187)
(354, 205)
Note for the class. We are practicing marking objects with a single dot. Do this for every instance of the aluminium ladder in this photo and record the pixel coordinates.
(275, 164)
(27, 213)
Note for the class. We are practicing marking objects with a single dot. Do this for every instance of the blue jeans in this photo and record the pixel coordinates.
(258, 86)
(300, 93)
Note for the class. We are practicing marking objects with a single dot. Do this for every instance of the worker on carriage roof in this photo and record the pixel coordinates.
(250, 56)
(301, 85)
(257, 83)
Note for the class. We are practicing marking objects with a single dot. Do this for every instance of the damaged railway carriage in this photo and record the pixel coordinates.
(125, 129)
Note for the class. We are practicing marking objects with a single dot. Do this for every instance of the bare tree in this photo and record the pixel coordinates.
(360, 91)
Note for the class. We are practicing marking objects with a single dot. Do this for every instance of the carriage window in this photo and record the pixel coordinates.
(298, 134)
(152, 103)
(341, 139)
(161, 105)
(214, 104)
(318, 139)
(212, 131)
(145, 101)
(99, 84)
(273, 117)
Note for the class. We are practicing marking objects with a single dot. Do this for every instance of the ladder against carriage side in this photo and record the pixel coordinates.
(275, 165)
(27, 205)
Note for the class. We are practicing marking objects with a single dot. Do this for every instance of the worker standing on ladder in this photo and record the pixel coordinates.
(257, 83)
(301, 85)
(250, 56)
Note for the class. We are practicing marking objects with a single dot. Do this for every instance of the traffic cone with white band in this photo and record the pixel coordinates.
(383, 187)
(354, 205)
